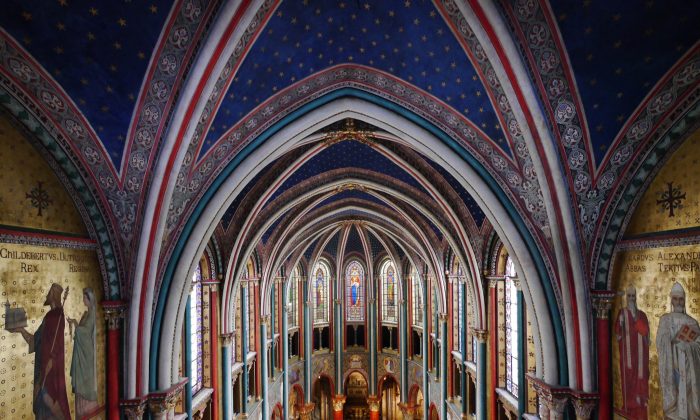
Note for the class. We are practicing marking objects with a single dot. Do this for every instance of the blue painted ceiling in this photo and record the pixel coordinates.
(98, 51)
(619, 50)
(354, 242)
(347, 154)
(407, 39)
(474, 208)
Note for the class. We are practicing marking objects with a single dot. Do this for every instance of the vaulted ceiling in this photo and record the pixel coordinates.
(135, 91)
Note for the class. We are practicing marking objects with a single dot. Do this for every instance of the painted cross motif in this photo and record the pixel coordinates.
(671, 199)
(39, 197)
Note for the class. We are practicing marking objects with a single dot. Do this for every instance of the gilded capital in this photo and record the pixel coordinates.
(338, 402)
(305, 411)
(373, 402)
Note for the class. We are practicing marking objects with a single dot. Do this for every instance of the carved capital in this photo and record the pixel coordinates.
(552, 400)
(265, 320)
(602, 302)
(338, 301)
(226, 339)
(482, 336)
(114, 312)
(305, 411)
(134, 409)
(493, 280)
(516, 282)
(442, 317)
(584, 405)
(159, 405)
(212, 284)
(373, 402)
(338, 402)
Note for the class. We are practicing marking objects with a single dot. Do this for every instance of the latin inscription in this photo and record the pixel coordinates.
(26, 260)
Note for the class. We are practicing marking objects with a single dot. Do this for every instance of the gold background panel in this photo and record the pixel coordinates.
(68, 267)
(22, 168)
(653, 272)
(683, 169)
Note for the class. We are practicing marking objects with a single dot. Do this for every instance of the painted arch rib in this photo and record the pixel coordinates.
(425, 140)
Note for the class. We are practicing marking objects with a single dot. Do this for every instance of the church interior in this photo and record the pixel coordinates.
(266, 209)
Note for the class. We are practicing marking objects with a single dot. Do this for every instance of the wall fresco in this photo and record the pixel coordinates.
(31, 195)
(52, 342)
(672, 201)
(655, 333)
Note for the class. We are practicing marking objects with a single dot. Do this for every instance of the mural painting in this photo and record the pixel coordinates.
(656, 335)
(52, 332)
(52, 343)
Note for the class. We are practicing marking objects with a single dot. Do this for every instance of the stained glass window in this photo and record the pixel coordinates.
(389, 293)
(196, 346)
(294, 299)
(355, 292)
(416, 298)
(321, 275)
(511, 326)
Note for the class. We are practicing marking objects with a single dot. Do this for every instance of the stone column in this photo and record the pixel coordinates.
(443, 363)
(113, 312)
(373, 348)
(522, 356)
(338, 345)
(308, 350)
(226, 379)
(244, 345)
(214, 334)
(285, 351)
(602, 301)
(481, 338)
(403, 341)
(134, 409)
(188, 352)
(338, 401)
(584, 405)
(493, 344)
(373, 402)
(264, 324)
(425, 352)
(463, 349)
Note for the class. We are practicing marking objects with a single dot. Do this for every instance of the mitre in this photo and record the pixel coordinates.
(677, 290)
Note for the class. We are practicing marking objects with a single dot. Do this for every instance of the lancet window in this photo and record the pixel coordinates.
(355, 292)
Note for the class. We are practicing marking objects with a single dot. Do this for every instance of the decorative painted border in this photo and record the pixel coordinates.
(625, 199)
(12, 236)
(337, 81)
(540, 44)
(93, 213)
